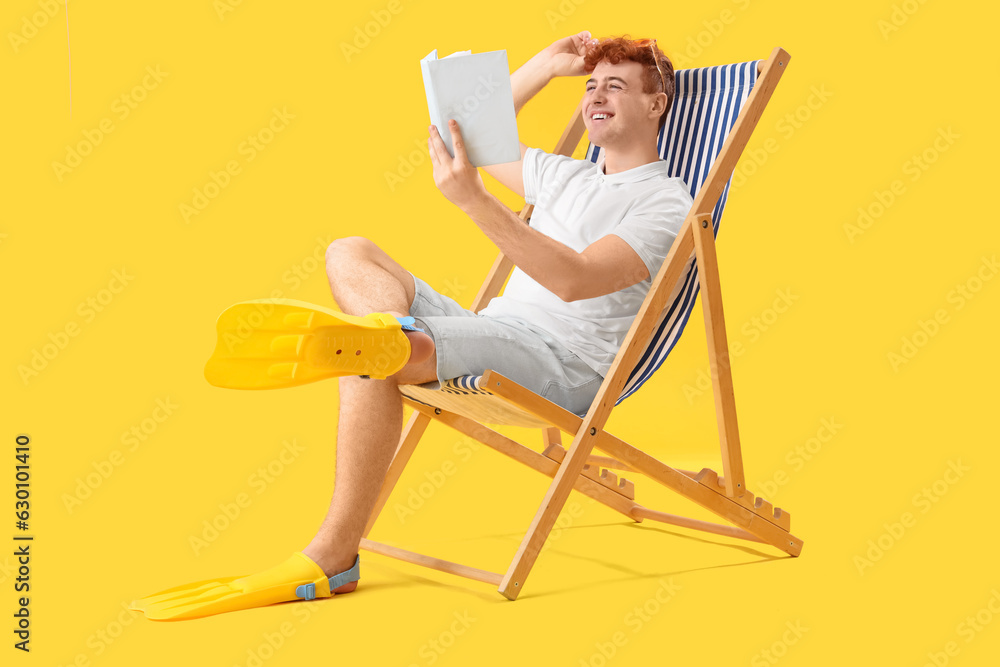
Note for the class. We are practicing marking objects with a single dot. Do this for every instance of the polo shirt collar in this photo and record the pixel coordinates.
(636, 174)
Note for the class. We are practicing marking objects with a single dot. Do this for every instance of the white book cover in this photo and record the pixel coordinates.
(474, 89)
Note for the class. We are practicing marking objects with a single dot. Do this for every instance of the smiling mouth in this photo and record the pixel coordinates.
(601, 117)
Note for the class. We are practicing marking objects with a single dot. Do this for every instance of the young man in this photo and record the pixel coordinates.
(597, 235)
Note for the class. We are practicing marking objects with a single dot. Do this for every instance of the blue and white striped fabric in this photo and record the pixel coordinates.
(706, 104)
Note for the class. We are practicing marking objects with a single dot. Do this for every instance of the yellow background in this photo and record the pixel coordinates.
(887, 95)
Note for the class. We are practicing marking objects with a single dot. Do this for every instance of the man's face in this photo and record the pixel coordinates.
(616, 91)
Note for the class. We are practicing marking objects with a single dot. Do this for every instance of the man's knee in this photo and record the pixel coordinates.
(347, 248)
(346, 254)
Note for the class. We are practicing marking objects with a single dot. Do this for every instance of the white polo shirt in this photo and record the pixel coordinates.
(576, 203)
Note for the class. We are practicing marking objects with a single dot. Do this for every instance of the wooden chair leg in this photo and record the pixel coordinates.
(546, 515)
(408, 440)
(718, 357)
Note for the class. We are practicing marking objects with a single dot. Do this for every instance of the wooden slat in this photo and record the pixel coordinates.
(710, 479)
(482, 407)
(557, 453)
(719, 365)
(502, 266)
(431, 562)
(607, 462)
(685, 522)
(529, 457)
(571, 136)
(608, 479)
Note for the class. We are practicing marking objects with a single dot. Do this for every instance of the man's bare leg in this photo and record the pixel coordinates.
(364, 280)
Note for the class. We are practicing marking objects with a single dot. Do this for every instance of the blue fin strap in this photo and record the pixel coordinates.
(354, 574)
(408, 324)
(308, 591)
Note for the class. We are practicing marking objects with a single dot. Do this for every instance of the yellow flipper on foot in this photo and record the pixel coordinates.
(298, 578)
(274, 343)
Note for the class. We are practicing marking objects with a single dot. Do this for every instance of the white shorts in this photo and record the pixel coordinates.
(468, 344)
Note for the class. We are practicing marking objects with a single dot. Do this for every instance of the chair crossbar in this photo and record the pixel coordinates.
(431, 562)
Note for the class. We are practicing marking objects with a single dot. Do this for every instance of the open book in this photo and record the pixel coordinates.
(475, 91)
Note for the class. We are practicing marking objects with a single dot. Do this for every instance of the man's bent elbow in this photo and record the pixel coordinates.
(578, 291)
(575, 292)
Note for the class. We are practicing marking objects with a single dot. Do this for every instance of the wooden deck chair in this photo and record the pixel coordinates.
(713, 115)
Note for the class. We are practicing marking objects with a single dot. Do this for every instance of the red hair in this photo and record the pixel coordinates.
(618, 49)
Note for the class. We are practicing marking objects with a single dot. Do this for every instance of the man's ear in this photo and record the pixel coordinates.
(663, 97)
(659, 104)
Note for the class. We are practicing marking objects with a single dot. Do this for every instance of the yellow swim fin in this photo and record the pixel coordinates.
(274, 343)
(298, 578)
